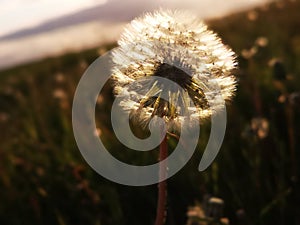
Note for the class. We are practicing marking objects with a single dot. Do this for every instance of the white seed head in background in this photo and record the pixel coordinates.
(177, 46)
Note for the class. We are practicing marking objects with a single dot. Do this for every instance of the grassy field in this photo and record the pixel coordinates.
(45, 180)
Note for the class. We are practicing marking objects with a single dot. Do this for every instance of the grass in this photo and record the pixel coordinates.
(44, 179)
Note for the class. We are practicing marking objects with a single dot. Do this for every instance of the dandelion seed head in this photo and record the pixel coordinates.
(177, 46)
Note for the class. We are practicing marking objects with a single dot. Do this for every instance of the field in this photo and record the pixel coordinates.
(45, 180)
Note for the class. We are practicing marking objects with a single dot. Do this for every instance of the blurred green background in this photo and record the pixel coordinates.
(45, 180)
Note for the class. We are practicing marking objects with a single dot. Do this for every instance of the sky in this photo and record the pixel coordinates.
(20, 14)
(17, 15)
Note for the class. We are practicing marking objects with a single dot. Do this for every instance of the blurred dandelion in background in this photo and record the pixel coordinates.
(59, 77)
(259, 43)
(97, 132)
(210, 212)
(59, 94)
(252, 15)
(100, 99)
(248, 54)
(262, 41)
(260, 126)
(179, 47)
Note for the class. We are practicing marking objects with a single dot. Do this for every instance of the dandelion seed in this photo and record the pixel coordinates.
(152, 46)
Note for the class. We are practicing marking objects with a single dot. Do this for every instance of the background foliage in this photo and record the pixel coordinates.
(44, 179)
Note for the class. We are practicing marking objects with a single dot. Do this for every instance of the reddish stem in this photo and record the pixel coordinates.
(162, 186)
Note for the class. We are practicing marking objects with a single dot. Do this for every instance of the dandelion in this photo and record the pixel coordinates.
(196, 216)
(97, 132)
(201, 215)
(59, 94)
(178, 47)
(252, 15)
(248, 54)
(260, 126)
(59, 77)
(100, 99)
(262, 41)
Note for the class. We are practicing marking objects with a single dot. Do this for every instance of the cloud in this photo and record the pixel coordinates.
(17, 14)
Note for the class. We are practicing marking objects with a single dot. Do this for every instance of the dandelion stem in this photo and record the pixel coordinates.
(162, 186)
